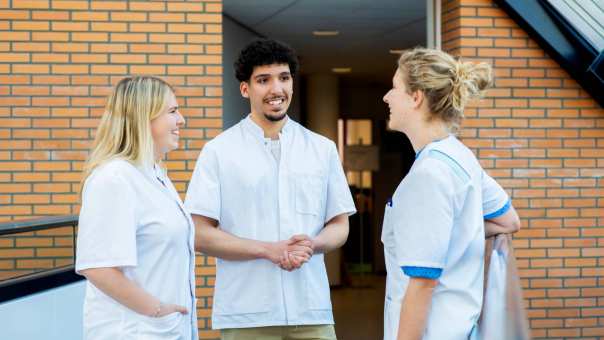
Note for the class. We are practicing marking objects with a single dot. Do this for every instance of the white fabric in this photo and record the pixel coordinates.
(436, 220)
(494, 325)
(494, 197)
(275, 149)
(130, 220)
(238, 182)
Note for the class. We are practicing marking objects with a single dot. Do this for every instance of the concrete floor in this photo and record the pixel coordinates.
(359, 310)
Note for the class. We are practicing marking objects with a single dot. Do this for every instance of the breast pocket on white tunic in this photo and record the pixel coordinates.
(309, 193)
(387, 227)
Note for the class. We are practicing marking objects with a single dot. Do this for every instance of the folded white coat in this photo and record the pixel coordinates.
(503, 314)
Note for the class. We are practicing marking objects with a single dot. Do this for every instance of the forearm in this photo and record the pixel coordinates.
(215, 242)
(333, 235)
(114, 283)
(492, 229)
(507, 223)
(415, 309)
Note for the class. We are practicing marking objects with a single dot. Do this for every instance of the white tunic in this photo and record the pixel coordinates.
(130, 220)
(239, 182)
(436, 220)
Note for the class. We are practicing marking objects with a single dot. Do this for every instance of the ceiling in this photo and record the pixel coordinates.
(368, 30)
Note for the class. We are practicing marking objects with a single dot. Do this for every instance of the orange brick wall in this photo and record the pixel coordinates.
(58, 61)
(32, 252)
(542, 136)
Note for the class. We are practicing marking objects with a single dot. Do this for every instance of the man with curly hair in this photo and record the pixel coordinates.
(269, 198)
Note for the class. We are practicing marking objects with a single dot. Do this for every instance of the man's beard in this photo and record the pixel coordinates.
(275, 118)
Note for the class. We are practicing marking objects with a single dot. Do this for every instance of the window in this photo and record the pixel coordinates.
(586, 17)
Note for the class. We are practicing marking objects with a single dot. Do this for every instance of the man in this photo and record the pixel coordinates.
(268, 199)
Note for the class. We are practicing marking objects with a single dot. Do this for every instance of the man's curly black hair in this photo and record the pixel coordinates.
(264, 52)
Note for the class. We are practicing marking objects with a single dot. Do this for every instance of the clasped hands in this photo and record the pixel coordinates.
(292, 253)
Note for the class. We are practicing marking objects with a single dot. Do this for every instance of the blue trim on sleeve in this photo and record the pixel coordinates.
(501, 211)
(423, 272)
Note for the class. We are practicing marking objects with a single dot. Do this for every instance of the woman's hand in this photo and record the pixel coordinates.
(113, 282)
(168, 308)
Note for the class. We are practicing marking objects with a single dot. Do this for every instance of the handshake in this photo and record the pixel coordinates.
(292, 253)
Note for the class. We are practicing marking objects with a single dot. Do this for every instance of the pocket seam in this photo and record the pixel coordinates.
(304, 190)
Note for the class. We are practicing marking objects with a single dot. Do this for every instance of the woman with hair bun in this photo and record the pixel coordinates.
(436, 222)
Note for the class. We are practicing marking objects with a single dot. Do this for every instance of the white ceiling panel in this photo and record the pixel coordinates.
(368, 30)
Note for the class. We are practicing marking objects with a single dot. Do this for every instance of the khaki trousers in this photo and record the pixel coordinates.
(309, 332)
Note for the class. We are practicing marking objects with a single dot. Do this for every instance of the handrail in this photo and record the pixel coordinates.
(38, 282)
(47, 279)
(16, 227)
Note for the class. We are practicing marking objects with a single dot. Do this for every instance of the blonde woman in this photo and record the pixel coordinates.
(434, 225)
(135, 239)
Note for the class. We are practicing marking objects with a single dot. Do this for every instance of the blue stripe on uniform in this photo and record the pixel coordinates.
(501, 211)
(422, 272)
(453, 164)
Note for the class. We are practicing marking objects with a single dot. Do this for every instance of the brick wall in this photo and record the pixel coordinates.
(32, 252)
(58, 61)
(542, 136)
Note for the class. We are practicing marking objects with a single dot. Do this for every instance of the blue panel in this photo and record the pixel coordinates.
(54, 314)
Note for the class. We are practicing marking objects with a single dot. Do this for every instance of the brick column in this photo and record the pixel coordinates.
(58, 61)
(542, 136)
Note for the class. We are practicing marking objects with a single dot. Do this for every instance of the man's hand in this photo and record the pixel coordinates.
(299, 251)
(290, 254)
(301, 244)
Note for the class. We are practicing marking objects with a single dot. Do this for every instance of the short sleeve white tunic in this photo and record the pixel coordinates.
(436, 220)
(130, 220)
(239, 182)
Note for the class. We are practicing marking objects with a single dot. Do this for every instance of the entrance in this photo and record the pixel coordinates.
(348, 51)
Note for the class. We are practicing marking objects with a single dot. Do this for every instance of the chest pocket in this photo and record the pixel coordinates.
(309, 194)
(387, 228)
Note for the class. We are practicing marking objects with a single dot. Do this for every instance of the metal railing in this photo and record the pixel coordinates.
(24, 226)
(46, 279)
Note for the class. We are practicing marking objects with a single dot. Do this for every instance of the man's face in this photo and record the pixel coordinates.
(270, 91)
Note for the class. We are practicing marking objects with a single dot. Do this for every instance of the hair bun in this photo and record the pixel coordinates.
(448, 83)
(469, 81)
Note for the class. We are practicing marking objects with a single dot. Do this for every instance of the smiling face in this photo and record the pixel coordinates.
(269, 90)
(165, 128)
(400, 103)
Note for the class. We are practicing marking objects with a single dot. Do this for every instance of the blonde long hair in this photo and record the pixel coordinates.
(125, 128)
(448, 84)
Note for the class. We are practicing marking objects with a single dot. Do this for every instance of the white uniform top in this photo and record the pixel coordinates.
(239, 182)
(436, 220)
(130, 220)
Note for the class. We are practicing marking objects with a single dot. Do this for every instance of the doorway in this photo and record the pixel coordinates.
(356, 42)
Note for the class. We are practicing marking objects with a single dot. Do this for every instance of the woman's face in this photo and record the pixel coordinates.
(165, 128)
(399, 102)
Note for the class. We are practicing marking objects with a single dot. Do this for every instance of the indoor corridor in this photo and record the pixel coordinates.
(359, 310)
